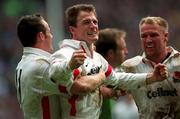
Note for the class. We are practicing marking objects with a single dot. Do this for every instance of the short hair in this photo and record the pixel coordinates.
(155, 20)
(108, 40)
(73, 12)
(27, 28)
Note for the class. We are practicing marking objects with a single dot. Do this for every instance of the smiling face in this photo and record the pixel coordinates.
(86, 28)
(154, 40)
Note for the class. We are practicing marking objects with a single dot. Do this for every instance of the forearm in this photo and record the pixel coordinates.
(127, 81)
(86, 84)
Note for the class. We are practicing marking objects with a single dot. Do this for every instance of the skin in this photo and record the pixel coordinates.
(154, 42)
(86, 29)
(115, 58)
(121, 53)
(44, 40)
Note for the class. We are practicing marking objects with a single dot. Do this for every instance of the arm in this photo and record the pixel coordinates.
(89, 83)
(62, 65)
(107, 92)
(130, 81)
(160, 73)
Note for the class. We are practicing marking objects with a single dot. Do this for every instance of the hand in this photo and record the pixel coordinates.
(160, 73)
(77, 59)
(102, 74)
(107, 92)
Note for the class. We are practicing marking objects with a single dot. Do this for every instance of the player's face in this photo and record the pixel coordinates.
(121, 51)
(86, 27)
(154, 40)
(48, 37)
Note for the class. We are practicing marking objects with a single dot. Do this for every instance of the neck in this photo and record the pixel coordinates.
(159, 58)
(42, 48)
(91, 49)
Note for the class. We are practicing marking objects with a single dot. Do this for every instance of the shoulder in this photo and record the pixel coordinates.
(40, 65)
(97, 54)
(132, 62)
(100, 57)
(63, 52)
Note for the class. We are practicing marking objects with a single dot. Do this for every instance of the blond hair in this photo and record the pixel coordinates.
(155, 20)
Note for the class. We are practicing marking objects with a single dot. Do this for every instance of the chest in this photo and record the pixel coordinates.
(91, 66)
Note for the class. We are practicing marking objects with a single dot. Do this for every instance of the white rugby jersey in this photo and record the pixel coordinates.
(34, 86)
(87, 106)
(159, 100)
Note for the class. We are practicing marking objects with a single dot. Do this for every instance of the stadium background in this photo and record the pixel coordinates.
(123, 14)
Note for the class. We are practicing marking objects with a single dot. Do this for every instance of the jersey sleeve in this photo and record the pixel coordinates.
(126, 81)
(176, 63)
(60, 71)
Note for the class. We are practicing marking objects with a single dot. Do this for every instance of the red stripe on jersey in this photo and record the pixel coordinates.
(72, 102)
(109, 70)
(45, 107)
(76, 72)
(177, 74)
(62, 89)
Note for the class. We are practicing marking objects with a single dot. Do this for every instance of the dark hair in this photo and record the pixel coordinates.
(108, 40)
(27, 28)
(73, 12)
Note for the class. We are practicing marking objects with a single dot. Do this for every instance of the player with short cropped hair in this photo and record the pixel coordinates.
(159, 100)
(83, 26)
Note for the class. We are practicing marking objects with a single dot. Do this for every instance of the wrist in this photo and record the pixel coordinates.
(150, 78)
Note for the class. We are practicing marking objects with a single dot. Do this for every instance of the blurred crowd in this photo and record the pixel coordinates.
(123, 14)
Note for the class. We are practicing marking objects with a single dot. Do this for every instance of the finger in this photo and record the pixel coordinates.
(164, 69)
(164, 74)
(80, 55)
(79, 51)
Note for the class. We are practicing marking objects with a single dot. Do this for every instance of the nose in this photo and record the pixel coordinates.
(126, 51)
(148, 38)
(93, 23)
(51, 36)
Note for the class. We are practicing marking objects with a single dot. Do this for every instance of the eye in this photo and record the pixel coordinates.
(154, 35)
(95, 22)
(86, 22)
(144, 35)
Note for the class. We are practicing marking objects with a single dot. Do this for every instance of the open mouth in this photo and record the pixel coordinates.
(149, 46)
(92, 33)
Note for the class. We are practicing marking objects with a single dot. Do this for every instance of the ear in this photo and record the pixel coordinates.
(71, 29)
(166, 34)
(110, 53)
(41, 36)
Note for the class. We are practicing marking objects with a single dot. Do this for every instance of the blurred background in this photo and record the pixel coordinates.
(122, 14)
